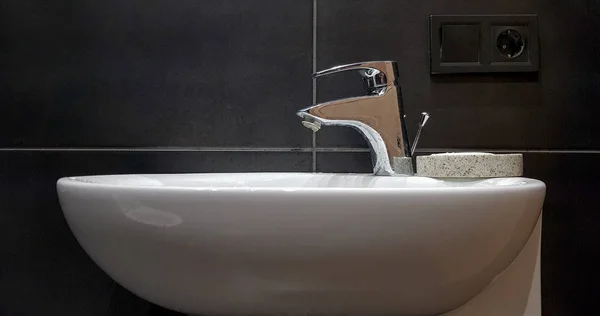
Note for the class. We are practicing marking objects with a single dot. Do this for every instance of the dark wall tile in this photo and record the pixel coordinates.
(553, 109)
(154, 73)
(344, 162)
(570, 234)
(43, 270)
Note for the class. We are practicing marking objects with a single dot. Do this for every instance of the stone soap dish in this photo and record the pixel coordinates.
(470, 165)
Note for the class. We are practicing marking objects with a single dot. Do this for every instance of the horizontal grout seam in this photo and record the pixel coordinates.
(284, 149)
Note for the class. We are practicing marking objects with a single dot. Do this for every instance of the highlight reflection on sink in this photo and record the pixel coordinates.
(265, 243)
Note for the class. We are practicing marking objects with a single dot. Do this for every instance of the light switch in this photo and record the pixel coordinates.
(459, 43)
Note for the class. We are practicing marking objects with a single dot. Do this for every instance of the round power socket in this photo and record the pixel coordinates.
(510, 43)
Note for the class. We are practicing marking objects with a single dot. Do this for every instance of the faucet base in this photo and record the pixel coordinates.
(402, 166)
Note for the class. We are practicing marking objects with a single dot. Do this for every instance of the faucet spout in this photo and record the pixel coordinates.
(378, 116)
(380, 160)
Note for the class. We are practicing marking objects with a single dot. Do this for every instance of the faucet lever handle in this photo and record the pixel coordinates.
(366, 68)
(377, 74)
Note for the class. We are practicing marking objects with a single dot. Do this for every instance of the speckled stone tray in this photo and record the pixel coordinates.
(470, 165)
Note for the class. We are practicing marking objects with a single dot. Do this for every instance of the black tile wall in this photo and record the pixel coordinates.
(555, 109)
(154, 73)
(43, 270)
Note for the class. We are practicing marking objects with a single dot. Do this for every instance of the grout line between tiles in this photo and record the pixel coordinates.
(314, 81)
(164, 149)
(313, 150)
(502, 150)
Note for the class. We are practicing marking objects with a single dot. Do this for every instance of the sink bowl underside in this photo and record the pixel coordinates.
(248, 244)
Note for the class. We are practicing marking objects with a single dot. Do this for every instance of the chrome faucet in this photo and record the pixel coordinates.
(378, 116)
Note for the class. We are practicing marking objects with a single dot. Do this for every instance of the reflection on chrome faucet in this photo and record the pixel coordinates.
(378, 116)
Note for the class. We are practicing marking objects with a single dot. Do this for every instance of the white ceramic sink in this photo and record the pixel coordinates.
(293, 243)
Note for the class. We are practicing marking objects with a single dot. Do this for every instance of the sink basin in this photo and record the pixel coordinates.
(299, 243)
